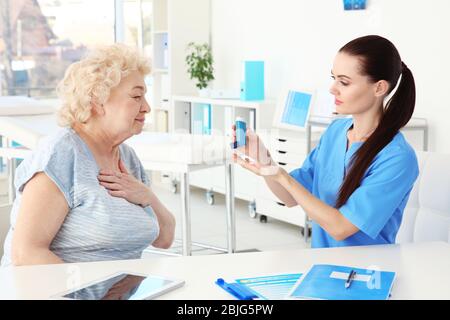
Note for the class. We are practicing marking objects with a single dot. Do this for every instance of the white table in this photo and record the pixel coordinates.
(179, 153)
(422, 270)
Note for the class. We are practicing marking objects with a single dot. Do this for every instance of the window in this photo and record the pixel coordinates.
(39, 39)
(137, 17)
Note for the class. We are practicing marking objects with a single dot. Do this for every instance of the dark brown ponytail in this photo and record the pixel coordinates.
(380, 60)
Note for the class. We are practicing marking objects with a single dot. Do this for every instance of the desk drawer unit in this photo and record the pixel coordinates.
(285, 144)
(277, 210)
(287, 157)
(288, 150)
(290, 154)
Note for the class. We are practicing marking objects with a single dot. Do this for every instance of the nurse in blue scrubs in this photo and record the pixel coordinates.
(355, 184)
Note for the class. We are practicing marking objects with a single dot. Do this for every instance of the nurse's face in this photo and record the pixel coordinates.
(354, 93)
(126, 107)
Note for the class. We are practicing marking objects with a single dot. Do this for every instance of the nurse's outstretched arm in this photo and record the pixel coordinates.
(328, 217)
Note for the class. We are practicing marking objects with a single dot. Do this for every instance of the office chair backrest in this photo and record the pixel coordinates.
(427, 213)
(5, 211)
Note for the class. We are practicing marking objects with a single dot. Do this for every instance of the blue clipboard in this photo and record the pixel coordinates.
(331, 282)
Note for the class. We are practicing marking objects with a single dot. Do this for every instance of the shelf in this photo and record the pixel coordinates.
(160, 70)
(161, 51)
(223, 102)
(163, 106)
(175, 23)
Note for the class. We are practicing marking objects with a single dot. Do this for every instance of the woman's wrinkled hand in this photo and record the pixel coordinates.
(124, 185)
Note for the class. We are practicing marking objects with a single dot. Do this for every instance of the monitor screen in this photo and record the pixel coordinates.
(293, 109)
(296, 108)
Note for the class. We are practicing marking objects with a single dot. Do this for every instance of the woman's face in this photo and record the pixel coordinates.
(354, 93)
(126, 107)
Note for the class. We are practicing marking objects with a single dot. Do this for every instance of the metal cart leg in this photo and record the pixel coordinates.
(252, 209)
(185, 214)
(231, 219)
(425, 138)
(306, 229)
(11, 169)
(210, 197)
(173, 186)
(308, 139)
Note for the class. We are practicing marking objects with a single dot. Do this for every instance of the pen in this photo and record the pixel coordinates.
(240, 292)
(350, 278)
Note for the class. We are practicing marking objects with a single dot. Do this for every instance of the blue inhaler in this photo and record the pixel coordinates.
(241, 132)
(241, 139)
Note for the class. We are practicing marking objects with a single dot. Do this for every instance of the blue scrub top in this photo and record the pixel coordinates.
(376, 206)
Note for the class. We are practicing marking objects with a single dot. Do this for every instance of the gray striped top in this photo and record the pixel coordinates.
(98, 226)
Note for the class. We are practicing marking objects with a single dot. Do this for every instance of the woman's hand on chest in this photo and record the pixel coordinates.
(124, 185)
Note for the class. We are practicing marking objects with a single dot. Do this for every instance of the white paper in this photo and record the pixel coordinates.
(344, 276)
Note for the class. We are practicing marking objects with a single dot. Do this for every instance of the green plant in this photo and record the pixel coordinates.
(200, 64)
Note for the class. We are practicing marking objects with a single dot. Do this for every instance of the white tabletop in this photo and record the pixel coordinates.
(28, 129)
(422, 270)
(21, 105)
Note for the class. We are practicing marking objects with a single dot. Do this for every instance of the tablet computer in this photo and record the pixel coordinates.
(123, 286)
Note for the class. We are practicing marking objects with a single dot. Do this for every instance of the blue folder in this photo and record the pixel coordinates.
(201, 119)
(328, 282)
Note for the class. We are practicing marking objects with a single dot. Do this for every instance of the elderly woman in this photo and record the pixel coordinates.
(83, 195)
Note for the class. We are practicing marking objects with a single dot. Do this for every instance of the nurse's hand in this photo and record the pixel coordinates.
(269, 171)
(124, 185)
(254, 156)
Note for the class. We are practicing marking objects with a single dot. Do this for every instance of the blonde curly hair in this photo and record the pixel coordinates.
(93, 77)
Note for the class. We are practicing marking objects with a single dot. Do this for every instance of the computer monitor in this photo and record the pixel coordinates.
(293, 109)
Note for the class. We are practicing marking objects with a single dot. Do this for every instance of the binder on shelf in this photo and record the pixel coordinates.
(333, 282)
(252, 119)
(165, 51)
(252, 80)
(165, 87)
(161, 121)
(201, 118)
(354, 4)
(161, 51)
(206, 119)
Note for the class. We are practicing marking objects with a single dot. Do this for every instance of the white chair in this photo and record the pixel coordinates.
(427, 213)
(5, 211)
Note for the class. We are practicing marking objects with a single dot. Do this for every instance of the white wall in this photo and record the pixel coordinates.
(298, 40)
